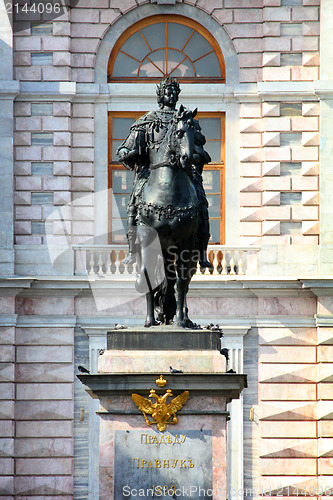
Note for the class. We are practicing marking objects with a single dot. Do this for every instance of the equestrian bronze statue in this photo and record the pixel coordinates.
(165, 147)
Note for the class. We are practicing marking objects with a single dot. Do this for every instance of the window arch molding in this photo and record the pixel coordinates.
(193, 13)
(166, 45)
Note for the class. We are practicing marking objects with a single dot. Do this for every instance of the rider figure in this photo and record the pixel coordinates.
(140, 149)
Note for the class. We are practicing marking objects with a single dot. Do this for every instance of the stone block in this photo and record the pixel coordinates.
(325, 428)
(325, 354)
(250, 110)
(250, 228)
(61, 58)
(325, 466)
(223, 16)
(325, 391)
(242, 30)
(304, 124)
(310, 59)
(61, 198)
(83, 110)
(85, 45)
(86, 30)
(59, 153)
(248, 15)
(47, 429)
(287, 373)
(250, 125)
(270, 228)
(250, 140)
(31, 123)
(51, 43)
(83, 75)
(287, 429)
(22, 42)
(271, 29)
(283, 354)
(22, 198)
(250, 199)
(251, 155)
(250, 60)
(83, 125)
(61, 28)
(277, 13)
(300, 153)
(250, 75)
(44, 485)
(51, 124)
(22, 138)
(270, 168)
(248, 45)
(276, 154)
(280, 74)
(311, 28)
(7, 469)
(304, 183)
(281, 124)
(270, 198)
(33, 183)
(43, 354)
(62, 139)
(6, 427)
(83, 154)
(83, 60)
(52, 73)
(22, 59)
(6, 390)
(28, 213)
(33, 391)
(285, 466)
(309, 43)
(61, 108)
(22, 108)
(251, 169)
(275, 44)
(288, 336)
(304, 73)
(83, 184)
(271, 59)
(305, 13)
(310, 138)
(280, 213)
(83, 169)
(85, 228)
(43, 466)
(301, 213)
(30, 73)
(23, 227)
(249, 214)
(85, 15)
(83, 140)
(250, 184)
(287, 391)
(270, 109)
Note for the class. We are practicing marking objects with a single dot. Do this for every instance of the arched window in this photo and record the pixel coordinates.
(163, 46)
(148, 51)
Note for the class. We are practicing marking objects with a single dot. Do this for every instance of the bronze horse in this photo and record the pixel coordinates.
(169, 207)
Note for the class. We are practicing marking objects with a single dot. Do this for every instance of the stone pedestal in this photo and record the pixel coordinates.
(187, 459)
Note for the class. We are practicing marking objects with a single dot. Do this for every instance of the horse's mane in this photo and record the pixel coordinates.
(170, 144)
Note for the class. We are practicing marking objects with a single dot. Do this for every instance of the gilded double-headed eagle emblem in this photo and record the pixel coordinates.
(161, 411)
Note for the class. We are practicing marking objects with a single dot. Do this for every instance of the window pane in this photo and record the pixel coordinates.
(211, 127)
(136, 47)
(211, 181)
(122, 181)
(208, 66)
(115, 146)
(178, 35)
(118, 229)
(155, 35)
(119, 205)
(120, 127)
(184, 69)
(155, 65)
(214, 205)
(197, 46)
(125, 66)
(215, 231)
(214, 149)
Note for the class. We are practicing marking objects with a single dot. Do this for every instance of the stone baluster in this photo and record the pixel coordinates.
(100, 262)
(117, 262)
(108, 264)
(224, 264)
(91, 263)
(216, 262)
(232, 262)
(241, 263)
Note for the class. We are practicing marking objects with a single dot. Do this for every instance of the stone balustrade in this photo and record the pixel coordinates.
(107, 261)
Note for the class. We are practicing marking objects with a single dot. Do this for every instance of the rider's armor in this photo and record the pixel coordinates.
(140, 148)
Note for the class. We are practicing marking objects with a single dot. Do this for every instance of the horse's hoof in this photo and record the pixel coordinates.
(149, 323)
(179, 324)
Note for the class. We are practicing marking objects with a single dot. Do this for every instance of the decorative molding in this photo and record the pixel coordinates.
(324, 320)
(8, 320)
(9, 89)
(324, 89)
(47, 321)
(44, 91)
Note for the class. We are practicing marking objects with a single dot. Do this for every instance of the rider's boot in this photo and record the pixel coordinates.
(131, 257)
(203, 261)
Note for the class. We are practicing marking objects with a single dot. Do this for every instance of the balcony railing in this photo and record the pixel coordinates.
(107, 261)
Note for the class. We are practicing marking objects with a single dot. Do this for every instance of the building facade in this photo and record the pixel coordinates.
(72, 81)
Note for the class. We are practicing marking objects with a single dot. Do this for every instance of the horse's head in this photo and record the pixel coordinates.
(184, 131)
